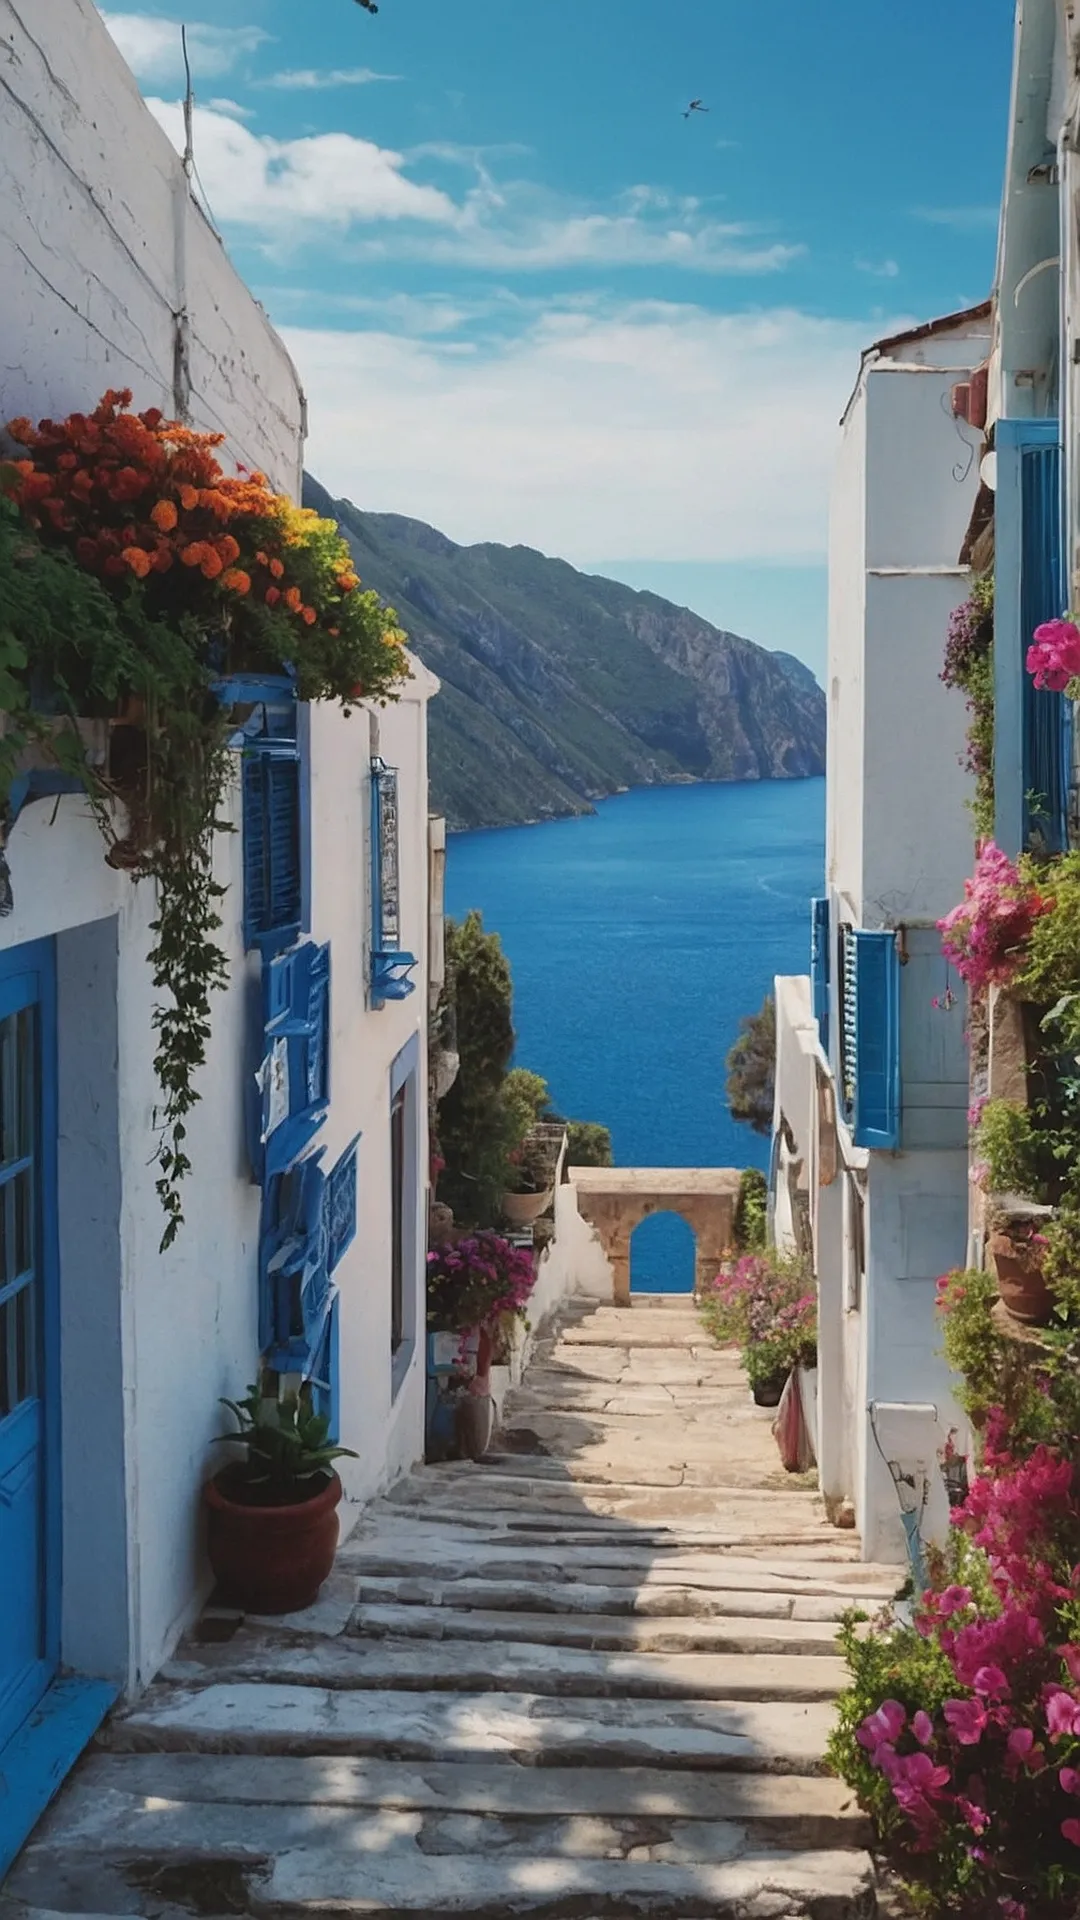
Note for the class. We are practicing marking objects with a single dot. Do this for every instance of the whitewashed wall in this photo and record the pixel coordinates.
(99, 247)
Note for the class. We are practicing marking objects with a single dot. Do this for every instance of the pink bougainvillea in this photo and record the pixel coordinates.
(1053, 659)
(985, 936)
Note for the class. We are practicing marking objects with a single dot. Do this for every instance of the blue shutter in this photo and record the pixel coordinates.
(876, 972)
(1043, 596)
(324, 1375)
(819, 969)
(295, 1292)
(291, 1090)
(390, 964)
(341, 1204)
(849, 1029)
(273, 875)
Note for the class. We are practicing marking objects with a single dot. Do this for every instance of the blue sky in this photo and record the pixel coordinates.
(531, 302)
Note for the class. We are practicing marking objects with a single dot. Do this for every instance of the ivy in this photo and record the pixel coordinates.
(133, 574)
(969, 666)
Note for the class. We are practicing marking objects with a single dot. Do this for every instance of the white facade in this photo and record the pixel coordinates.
(110, 277)
(887, 1223)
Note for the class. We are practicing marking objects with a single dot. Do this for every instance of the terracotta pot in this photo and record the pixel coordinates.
(521, 1209)
(770, 1391)
(1023, 1290)
(270, 1559)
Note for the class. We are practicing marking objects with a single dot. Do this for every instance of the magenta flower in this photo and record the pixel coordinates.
(1062, 1714)
(991, 1683)
(1053, 659)
(1070, 1780)
(1071, 1831)
(923, 1728)
(968, 1719)
(984, 936)
(953, 1599)
(883, 1727)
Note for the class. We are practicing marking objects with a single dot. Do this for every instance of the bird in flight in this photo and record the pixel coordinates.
(696, 106)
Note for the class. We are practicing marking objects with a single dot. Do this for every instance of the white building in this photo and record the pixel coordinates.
(870, 1152)
(113, 1357)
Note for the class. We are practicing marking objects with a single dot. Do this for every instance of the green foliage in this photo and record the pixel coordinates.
(969, 665)
(751, 1067)
(1051, 973)
(287, 1457)
(525, 1098)
(751, 1211)
(69, 648)
(1036, 1387)
(1012, 1149)
(588, 1145)
(895, 1665)
(476, 1128)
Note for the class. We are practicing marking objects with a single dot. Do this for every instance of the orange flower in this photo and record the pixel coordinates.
(236, 580)
(162, 559)
(138, 560)
(192, 555)
(228, 548)
(164, 516)
(189, 498)
(277, 568)
(211, 563)
(272, 596)
(347, 581)
(261, 558)
(293, 600)
(21, 430)
(309, 616)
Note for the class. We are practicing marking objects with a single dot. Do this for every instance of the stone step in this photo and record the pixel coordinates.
(616, 1565)
(598, 1631)
(556, 1501)
(339, 1880)
(513, 1666)
(524, 1596)
(677, 1334)
(262, 1717)
(798, 1512)
(503, 1531)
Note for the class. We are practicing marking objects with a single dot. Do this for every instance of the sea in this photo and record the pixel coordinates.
(639, 937)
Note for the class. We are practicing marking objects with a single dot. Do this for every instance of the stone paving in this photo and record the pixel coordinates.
(589, 1678)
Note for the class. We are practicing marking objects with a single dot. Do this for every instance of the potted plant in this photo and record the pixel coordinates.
(767, 1303)
(530, 1192)
(473, 1287)
(1018, 1249)
(272, 1514)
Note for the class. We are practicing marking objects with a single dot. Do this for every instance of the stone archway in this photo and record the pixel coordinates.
(615, 1200)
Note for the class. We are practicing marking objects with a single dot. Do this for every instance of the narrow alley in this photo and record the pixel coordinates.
(592, 1676)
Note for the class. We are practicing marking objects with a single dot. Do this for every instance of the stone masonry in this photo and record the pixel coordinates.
(592, 1676)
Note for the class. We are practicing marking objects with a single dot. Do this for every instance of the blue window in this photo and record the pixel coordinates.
(291, 1092)
(870, 1037)
(324, 1377)
(275, 823)
(390, 964)
(342, 1204)
(819, 970)
(308, 1221)
(1032, 726)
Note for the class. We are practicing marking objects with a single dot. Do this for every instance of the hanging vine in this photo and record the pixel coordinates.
(134, 575)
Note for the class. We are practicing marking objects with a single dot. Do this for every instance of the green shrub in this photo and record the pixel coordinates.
(751, 1069)
(751, 1211)
(1012, 1150)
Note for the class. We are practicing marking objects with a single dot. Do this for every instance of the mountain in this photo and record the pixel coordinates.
(560, 687)
(797, 672)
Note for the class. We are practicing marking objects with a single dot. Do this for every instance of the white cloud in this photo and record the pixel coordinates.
(651, 431)
(315, 79)
(879, 269)
(153, 50)
(960, 219)
(290, 187)
(291, 192)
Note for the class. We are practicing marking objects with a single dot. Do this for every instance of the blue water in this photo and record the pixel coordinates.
(639, 937)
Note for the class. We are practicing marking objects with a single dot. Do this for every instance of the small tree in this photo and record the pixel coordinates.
(476, 1134)
(588, 1145)
(525, 1097)
(751, 1069)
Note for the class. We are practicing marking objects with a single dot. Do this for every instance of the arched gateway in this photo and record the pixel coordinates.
(615, 1200)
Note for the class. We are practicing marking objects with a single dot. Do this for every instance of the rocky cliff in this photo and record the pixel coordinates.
(560, 687)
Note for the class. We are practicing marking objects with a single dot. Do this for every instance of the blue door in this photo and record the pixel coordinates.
(29, 1387)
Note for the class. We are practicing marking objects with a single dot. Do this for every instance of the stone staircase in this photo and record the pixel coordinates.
(592, 1676)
